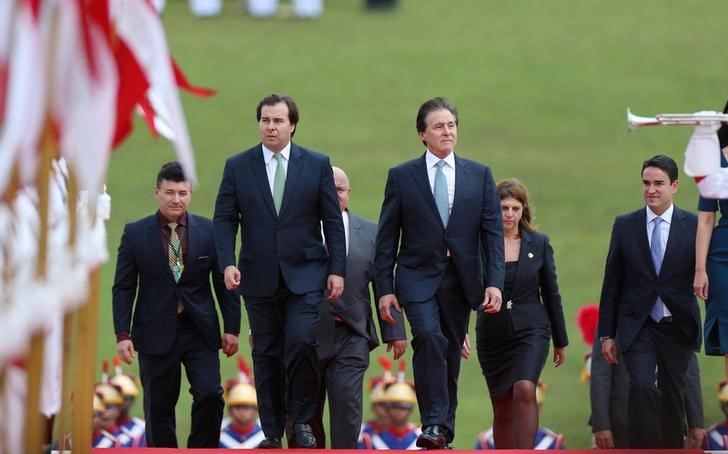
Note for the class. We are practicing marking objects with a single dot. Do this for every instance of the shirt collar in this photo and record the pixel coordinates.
(431, 159)
(163, 221)
(666, 216)
(285, 152)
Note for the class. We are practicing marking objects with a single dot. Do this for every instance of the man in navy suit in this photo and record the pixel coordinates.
(439, 212)
(280, 196)
(165, 263)
(648, 305)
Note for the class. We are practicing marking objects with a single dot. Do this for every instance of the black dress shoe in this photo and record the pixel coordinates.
(304, 436)
(431, 437)
(270, 443)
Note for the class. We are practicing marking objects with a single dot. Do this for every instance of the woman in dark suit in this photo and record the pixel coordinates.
(513, 343)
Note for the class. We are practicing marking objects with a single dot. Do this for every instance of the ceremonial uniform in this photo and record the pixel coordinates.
(373, 437)
(133, 428)
(234, 437)
(545, 439)
(104, 439)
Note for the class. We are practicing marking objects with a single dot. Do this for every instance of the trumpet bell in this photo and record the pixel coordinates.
(636, 121)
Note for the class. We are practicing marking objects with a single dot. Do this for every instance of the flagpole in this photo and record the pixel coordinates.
(69, 359)
(34, 420)
(10, 192)
(86, 338)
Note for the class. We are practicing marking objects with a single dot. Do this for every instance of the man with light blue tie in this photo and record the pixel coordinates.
(648, 304)
(439, 212)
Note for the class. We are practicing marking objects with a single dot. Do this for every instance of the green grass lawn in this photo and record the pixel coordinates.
(542, 89)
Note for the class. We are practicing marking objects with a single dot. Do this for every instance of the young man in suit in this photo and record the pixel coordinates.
(648, 306)
(439, 211)
(609, 394)
(280, 196)
(163, 271)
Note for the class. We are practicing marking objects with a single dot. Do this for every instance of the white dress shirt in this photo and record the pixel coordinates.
(448, 169)
(665, 231)
(271, 164)
(345, 217)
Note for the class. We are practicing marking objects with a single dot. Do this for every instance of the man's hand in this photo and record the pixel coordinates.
(604, 439)
(232, 277)
(335, 285)
(696, 435)
(559, 356)
(465, 351)
(386, 303)
(700, 284)
(492, 300)
(399, 347)
(229, 344)
(609, 350)
(125, 350)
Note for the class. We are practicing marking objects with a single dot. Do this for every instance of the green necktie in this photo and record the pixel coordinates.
(279, 182)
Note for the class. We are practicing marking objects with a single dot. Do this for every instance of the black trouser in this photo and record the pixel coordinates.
(438, 331)
(284, 328)
(657, 362)
(161, 377)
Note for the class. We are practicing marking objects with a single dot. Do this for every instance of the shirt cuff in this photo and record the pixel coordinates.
(122, 336)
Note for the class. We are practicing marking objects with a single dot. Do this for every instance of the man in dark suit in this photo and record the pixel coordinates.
(280, 196)
(648, 305)
(347, 333)
(165, 263)
(439, 212)
(609, 395)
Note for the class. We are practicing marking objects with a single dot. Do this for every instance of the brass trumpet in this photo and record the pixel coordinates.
(636, 121)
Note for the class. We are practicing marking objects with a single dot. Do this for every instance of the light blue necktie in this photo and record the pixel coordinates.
(442, 200)
(656, 249)
(279, 182)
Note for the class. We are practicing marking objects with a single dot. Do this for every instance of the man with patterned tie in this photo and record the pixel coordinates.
(164, 310)
(649, 307)
(280, 196)
(439, 212)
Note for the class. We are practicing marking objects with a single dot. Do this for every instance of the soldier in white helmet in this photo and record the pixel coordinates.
(398, 400)
(717, 437)
(545, 437)
(242, 429)
(101, 437)
(131, 426)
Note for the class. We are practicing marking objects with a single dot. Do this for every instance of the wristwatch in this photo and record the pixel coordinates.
(604, 338)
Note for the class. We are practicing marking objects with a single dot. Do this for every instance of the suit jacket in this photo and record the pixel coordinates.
(631, 285)
(289, 243)
(412, 235)
(535, 299)
(143, 275)
(609, 393)
(354, 306)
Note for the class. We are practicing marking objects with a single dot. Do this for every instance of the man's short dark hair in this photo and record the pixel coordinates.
(171, 171)
(275, 98)
(664, 163)
(433, 105)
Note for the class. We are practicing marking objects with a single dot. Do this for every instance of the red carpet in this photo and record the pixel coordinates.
(343, 451)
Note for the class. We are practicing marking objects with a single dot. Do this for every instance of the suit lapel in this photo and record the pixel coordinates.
(525, 258)
(674, 237)
(419, 173)
(295, 165)
(155, 246)
(261, 176)
(640, 228)
(462, 178)
(193, 243)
